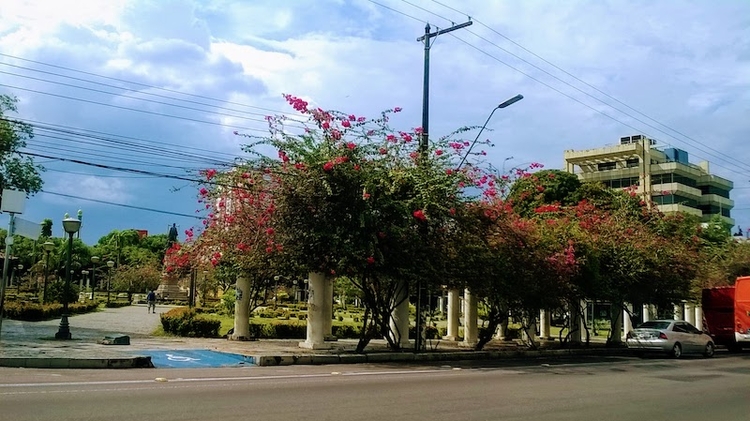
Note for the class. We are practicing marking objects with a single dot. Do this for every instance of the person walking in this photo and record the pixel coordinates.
(151, 300)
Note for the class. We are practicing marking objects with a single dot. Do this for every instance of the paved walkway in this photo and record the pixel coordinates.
(32, 344)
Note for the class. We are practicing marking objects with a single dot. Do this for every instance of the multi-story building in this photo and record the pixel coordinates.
(666, 176)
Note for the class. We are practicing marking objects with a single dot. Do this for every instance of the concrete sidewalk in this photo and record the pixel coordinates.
(32, 344)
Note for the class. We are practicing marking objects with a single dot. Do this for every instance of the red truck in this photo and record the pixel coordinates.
(727, 314)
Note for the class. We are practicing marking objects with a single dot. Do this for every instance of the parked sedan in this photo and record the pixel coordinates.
(674, 337)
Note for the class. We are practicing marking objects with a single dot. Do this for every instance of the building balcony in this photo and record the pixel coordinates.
(679, 208)
(676, 188)
(716, 200)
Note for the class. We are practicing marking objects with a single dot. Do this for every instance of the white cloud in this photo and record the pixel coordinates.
(686, 64)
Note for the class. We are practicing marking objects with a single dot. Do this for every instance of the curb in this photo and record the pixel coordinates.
(126, 362)
(403, 357)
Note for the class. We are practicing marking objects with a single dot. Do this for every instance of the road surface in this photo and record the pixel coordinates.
(594, 389)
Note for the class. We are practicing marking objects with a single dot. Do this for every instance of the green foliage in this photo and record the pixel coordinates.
(228, 301)
(35, 312)
(187, 322)
(17, 171)
(56, 289)
(542, 188)
(117, 304)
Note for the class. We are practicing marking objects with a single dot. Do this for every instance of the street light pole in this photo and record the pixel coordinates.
(94, 261)
(424, 139)
(502, 105)
(71, 226)
(110, 265)
(48, 246)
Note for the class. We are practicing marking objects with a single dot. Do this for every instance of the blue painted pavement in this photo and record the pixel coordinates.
(196, 358)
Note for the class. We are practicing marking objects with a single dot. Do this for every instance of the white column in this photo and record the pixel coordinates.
(617, 319)
(699, 317)
(502, 329)
(328, 321)
(678, 312)
(319, 308)
(646, 312)
(470, 319)
(690, 313)
(400, 316)
(241, 310)
(545, 320)
(453, 304)
(627, 323)
(576, 323)
(530, 334)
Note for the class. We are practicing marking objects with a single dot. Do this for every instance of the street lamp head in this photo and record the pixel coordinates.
(48, 246)
(95, 259)
(71, 225)
(110, 264)
(511, 101)
(19, 267)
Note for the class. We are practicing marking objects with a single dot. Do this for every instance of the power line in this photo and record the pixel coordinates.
(743, 169)
(688, 139)
(145, 85)
(123, 205)
(133, 109)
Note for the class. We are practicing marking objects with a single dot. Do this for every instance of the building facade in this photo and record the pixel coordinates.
(666, 176)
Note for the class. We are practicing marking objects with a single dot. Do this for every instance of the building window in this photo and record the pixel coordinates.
(715, 190)
(606, 166)
(632, 163)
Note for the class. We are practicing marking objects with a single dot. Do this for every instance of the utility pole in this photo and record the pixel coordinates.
(424, 141)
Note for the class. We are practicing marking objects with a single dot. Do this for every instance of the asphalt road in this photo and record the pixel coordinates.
(599, 389)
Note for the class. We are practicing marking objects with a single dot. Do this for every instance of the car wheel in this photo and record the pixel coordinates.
(676, 350)
(708, 352)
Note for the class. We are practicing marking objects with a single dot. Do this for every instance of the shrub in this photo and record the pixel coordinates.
(227, 301)
(117, 304)
(184, 321)
(35, 312)
(346, 332)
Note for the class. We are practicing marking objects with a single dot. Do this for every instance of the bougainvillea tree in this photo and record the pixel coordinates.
(357, 198)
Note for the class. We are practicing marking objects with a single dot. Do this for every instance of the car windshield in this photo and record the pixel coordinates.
(654, 325)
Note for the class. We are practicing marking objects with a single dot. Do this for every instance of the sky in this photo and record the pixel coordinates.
(130, 98)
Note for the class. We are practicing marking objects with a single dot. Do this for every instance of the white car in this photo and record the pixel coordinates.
(673, 337)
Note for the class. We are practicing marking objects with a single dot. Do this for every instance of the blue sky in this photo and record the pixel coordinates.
(676, 71)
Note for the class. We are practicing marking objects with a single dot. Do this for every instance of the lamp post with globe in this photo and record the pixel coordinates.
(71, 226)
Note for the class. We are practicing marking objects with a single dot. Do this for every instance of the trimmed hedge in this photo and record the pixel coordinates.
(33, 312)
(297, 331)
(117, 304)
(183, 321)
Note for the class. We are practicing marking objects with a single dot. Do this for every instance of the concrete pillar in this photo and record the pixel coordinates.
(699, 317)
(241, 310)
(679, 314)
(578, 328)
(471, 336)
(502, 329)
(617, 319)
(328, 321)
(400, 316)
(545, 320)
(690, 313)
(453, 304)
(646, 312)
(530, 335)
(627, 323)
(319, 308)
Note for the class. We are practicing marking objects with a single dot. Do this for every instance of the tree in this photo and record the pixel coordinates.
(46, 228)
(17, 171)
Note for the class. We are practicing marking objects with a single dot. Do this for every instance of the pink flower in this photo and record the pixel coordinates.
(336, 134)
(346, 123)
(351, 145)
(370, 260)
(352, 117)
(365, 196)
(328, 166)
(448, 171)
(419, 214)
(438, 152)
(325, 125)
(356, 167)
(397, 110)
(203, 191)
(383, 151)
(210, 174)
(269, 231)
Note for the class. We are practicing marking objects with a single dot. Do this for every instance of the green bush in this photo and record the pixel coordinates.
(35, 312)
(346, 332)
(117, 304)
(183, 321)
(227, 301)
